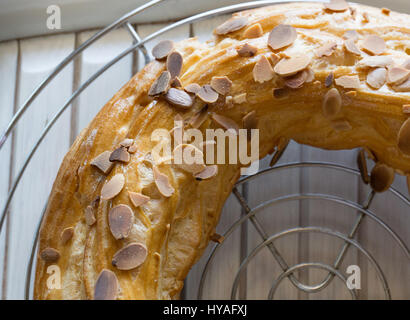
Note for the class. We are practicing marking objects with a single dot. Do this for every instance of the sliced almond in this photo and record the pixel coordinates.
(296, 81)
(351, 47)
(291, 66)
(198, 119)
(50, 255)
(103, 162)
(262, 70)
(106, 286)
(179, 98)
(374, 44)
(130, 257)
(282, 36)
(337, 5)
(89, 215)
(239, 98)
(247, 50)
(233, 24)
(176, 83)
(253, 31)
(113, 187)
(326, 49)
(120, 154)
(185, 150)
(162, 49)
(162, 183)
(174, 64)
(192, 88)
(362, 164)
(332, 103)
(133, 148)
(381, 177)
(226, 123)
(375, 62)
(403, 138)
(377, 78)
(406, 64)
(351, 34)
(329, 79)
(310, 75)
(406, 108)
(207, 94)
(138, 199)
(397, 75)
(160, 85)
(126, 143)
(222, 85)
(66, 235)
(207, 173)
(386, 11)
(217, 238)
(349, 82)
(120, 219)
(403, 87)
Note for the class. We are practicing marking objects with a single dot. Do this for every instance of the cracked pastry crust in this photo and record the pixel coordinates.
(175, 230)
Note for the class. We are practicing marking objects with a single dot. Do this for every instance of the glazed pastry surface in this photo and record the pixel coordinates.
(175, 230)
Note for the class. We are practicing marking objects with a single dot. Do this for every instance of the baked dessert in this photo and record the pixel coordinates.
(122, 225)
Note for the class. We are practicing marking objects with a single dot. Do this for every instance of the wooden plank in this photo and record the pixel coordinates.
(8, 68)
(38, 58)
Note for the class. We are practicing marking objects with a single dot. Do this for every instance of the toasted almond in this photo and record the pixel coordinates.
(133, 148)
(174, 64)
(217, 238)
(233, 24)
(120, 219)
(397, 75)
(126, 143)
(351, 47)
(374, 44)
(406, 64)
(250, 121)
(192, 88)
(282, 36)
(239, 98)
(253, 31)
(336, 5)
(291, 66)
(50, 255)
(329, 79)
(326, 49)
(182, 151)
(89, 215)
(403, 87)
(377, 78)
(280, 93)
(138, 199)
(222, 85)
(403, 138)
(362, 164)
(351, 93)
(106, 286)
(120, 154)
(297, 80)
(66, 235)
(351, 34)
(113, 187)
(349, 82)
(247, 50)
(207, 94)
(103, 162)
(381, 177)
(341, 125)
(226, 123)
(386, 11)
(375, 62)
(162, 183)
(160, 85)
(406, 108)
(130, 257)
(310, 75)
(332, 103)
(262, 70)
(162, 49)
(207, 173)
(179, 98)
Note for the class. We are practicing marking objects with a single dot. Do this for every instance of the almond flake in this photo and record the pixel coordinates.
(386, 11)
(120, 219)
(103, 162)
(326, 49)
(162, 183)
(397, 75)
(130, 257)
(89, 216)
(179, 98)
(174, 64)
(239, 98)
(329, 79)
(113, 187)
(296, 81)
(222, 85)
(374, 44)
(106, 286)
(282, 36)
(375, 62)
(406, 64)
(233, 24)
(351, 34)
(403, 138)
(247, 50)
(162, 49)
(120, 154)
(192, 88)
(337, 5)
(226, 123)
(176, 83)
(133, 148)
(50, 255)
(406, 108)
(207, 94)
(362, 164)
(332, 103)
(160, 85)
(291, 66)
(188, 150)
(254, 31)
(138, 199)
(349, 82)
(381, 177)
(66, 235)
(126, 143)
(217, 238)
(207, 173)
(262, 70)
(377, 78)
(403, 87)
(351, 47)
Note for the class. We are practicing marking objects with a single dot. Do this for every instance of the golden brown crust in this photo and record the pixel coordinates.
(177, 229)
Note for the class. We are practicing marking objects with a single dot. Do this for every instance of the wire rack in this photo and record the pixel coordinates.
(249, 214)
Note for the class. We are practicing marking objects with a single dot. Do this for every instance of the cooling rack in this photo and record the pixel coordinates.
(250, 214)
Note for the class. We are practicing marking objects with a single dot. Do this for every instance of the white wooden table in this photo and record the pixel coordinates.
(24, 63)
